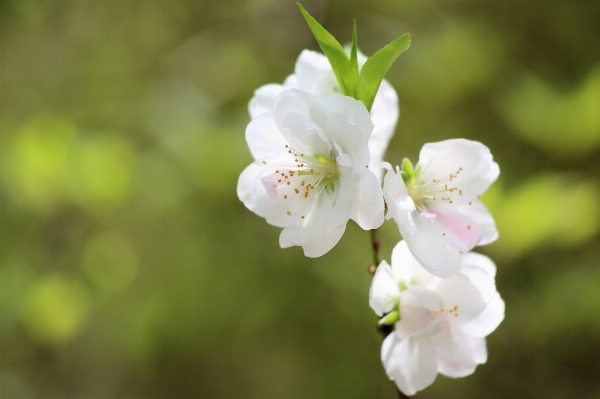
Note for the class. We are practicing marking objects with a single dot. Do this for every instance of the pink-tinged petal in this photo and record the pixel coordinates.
(416, 319)
(461, 358)
(263, 99)
(463, 234)
(384, 115)
(488, 320)
(479, 216)
(369, 208)
(264, 137)
(384, 293)
(270, 184)
(426, 216)
(410, 362)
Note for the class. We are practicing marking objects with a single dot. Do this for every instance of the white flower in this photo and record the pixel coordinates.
(443, 322)
(310, 175)
(437, 206)
(314, 74)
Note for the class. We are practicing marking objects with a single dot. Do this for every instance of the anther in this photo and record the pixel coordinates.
(288, 183)
(264, 162)
(279, 181)
(286, 146)
(277, 171)
(302, 184)
(297, 191)
(285, 197)
(468, 227)
(289, 213)
(302, 217)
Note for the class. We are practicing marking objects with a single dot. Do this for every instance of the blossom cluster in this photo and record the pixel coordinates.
(319, 163)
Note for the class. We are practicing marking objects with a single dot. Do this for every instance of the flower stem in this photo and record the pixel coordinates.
(376, 245)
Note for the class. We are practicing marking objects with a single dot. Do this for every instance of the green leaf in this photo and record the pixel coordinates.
(374, 70)
(352, 79)
(333, 50)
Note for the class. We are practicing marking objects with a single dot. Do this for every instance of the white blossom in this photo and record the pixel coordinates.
(310, 173)
(437, 206)
(313, 73)
(442, 322)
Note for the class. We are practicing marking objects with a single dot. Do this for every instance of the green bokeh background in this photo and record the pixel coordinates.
(129, 269)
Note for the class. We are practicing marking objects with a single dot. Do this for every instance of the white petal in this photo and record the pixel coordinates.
(431, 250)
(314, 74)
(384, 115)
(264, 137)
(461, 358)
(407, 269)
(384, 293)
(397, 199)
(409, 362)
(429, 299)
(246, 186)
(349, 136)
(354, 110)
(416, 319)
(462, 300)
(480, 270)
(263, 99)
(313, 224)
(369, 209)
(488, 320)
(462, 167)
(323, 241)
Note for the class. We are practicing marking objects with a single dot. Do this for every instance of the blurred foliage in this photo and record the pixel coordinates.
(129, 269)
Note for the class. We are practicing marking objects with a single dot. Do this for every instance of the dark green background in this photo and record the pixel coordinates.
(129, 269)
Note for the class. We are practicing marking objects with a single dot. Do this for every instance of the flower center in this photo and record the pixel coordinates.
(302, 179)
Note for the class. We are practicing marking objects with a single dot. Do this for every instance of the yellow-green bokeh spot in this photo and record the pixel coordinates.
(557, 209)
(51, 162)
(110, 261)
(563, 124)
(55, 309)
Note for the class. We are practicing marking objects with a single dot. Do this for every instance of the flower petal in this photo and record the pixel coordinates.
(263, 99)
(384, 293)
(416, 319)
(313, 73)
(323, 241)
(369, 208)
(431, 250)
(384, 115)
(264, 137)
(461, 358)
(488, 320)
(410, 362)
(462, 300)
